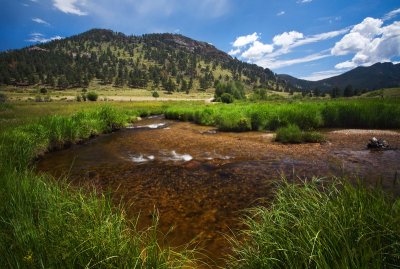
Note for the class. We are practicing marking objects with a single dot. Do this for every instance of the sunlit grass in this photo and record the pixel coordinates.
(312, 225)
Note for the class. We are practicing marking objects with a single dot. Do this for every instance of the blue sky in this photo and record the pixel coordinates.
(310, 39)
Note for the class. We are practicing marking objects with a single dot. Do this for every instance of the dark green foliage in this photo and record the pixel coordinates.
(312, 225)
(92, 96)
(43, 90)
(336, 92)
(226, 98)
(235, 89)
(3, 97)
(155, 94)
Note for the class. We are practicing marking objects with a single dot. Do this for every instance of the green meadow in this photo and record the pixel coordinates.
(318, 224)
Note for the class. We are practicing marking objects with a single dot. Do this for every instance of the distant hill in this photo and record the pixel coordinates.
(154, 61)
(377, 76)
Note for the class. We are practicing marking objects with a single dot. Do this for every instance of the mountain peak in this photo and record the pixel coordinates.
(376, 76)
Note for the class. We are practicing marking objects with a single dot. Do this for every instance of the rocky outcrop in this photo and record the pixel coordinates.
(375, 143)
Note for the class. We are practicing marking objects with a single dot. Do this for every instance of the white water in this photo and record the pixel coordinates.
(141, 159)
(151, 126)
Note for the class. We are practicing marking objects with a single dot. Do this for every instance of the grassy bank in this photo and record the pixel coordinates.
(47, 224)
(354, 113)
(308, 226)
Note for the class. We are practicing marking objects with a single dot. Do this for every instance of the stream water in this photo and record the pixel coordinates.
(201, 180)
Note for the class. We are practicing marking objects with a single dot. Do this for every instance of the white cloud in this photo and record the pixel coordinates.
(304, 1)
(233, 52)
(287, 38)
(242, 41)
(276, 64)
(257, 50)
(40, 38)
(319, 37)
(280, 13)
(369, 42)
(369, 27)
(345, 65)
(267, 55)
(350, 43)
(391, 14)
(70, 6)
(315, 76)
(40, 21)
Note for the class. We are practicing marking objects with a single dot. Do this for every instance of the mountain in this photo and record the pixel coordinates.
(154, 61)
(377, 76)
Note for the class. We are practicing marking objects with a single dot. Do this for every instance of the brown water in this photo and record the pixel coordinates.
(201, 180)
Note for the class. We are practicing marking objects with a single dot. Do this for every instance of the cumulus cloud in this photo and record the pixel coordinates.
(242, 41)
(267, 55)
(40, 21)
(70, 6)
(257, 50)
(280, 13)
(369, 42)
(287, 38)
(40, 38)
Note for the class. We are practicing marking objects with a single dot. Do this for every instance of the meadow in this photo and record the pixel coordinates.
(46, 223)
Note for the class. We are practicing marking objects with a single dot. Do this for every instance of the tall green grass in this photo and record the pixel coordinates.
(311, 226)
(354, 113)
(293, 134)
(45, 224)
(48, 225)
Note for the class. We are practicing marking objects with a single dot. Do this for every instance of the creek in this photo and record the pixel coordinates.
(201, 180)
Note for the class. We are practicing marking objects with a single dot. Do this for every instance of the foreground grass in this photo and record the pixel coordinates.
(309, 226)
(45, 224)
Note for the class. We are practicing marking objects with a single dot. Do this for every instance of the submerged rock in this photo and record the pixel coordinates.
(375, 143)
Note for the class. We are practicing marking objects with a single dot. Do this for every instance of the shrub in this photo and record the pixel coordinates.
(226, 98)
(92, 96)
(289, 134)
(43, 90)
(155, 94)
(293, 134)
